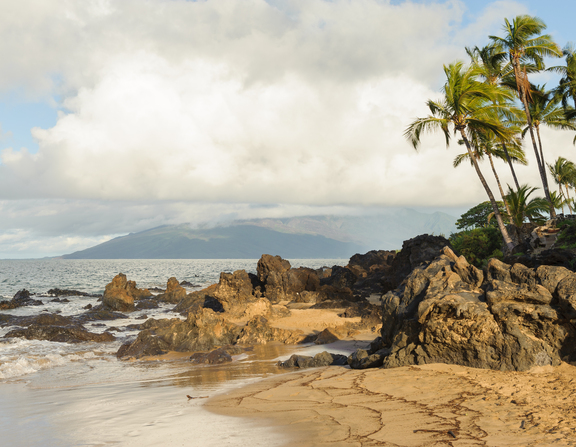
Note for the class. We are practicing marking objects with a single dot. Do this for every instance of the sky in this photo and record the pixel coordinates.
(117, 116)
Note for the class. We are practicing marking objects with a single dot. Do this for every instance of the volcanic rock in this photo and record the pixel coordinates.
(174, 292)
(120, 294)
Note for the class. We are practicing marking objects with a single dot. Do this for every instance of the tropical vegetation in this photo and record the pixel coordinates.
(490, 106)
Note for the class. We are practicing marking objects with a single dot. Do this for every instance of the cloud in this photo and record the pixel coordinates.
(224, 106)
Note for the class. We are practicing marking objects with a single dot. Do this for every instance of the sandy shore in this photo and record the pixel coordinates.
(431, 405)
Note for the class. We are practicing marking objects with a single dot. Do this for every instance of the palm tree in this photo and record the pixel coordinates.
(567, 85)
(491, 148)
(523, 44)
(491, 66)
(564, 174)
(522, 208)
(468, 106)
(545, 110)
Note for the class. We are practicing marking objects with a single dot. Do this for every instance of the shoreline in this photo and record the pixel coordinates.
(425, 405)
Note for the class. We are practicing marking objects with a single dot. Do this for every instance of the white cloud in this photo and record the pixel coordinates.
(298, 102)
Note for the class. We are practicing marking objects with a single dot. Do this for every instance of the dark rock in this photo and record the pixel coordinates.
(322, 359)
(65, 292)
(20, 299)
(60, 300)
(419, 250)
(214, 357)
(341, 277)
(439, 315)
(99, 313)
(57, 328)
(146, 304)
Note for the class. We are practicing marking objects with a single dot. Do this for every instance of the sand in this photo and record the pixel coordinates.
(430, 405)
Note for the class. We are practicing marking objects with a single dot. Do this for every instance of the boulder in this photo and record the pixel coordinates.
(234, 291)
(440, 314)
(201, 331)
(174, 292)
(416, 251)
(280, 282)
(325, 337)
(322, 359)
(120, 294)
(215, 357)
(20, 299)
(53, 327)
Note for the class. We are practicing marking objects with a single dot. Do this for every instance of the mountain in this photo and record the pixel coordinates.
(295, 237)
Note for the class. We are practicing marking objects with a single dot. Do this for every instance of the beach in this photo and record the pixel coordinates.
(427, 405)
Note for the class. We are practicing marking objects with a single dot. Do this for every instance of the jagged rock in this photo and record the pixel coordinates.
(280, 282)
(362, 359)
(199, 299)
(419, 250)
(322, 359)
(325, 337)
(258, 331)
(174, 292)
(439, 315)
(371, 269)
(52, 327)
(341, 277)
(235, 290)
(146, 304)
(20, 299)
(201, 331)
(120, 294)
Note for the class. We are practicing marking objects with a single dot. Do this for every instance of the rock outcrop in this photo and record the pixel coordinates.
(20, 299)
(446, 311)
(52, 327)
(120, 294)
(305, 361)
(174, 292)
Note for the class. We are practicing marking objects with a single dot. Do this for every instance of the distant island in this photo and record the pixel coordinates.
(326, 236)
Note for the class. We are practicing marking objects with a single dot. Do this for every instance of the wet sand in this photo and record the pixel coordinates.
(430, 405)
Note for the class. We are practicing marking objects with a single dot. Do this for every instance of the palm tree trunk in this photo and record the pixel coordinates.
(499, 186)
(542, 154)
(520, 83)
(568, 199)
(501, 226)
(511, 167)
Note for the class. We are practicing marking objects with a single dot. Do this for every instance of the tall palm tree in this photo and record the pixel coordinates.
(567, 85)
(564, 174)
(486, 145)
(545, 110)
(492, 67)
(468, 106)
(523, 43)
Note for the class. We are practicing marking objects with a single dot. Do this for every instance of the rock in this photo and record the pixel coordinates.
(341, 277)
(362, 359)
(234, 291)
(65, 292)
(20, 299)
(419, 250)
(550, 276)
(566, 292)
(258, 331)
(280, 282)
(322, 359)
(439, 314)
(201, 331)
(214, 357)
(174, 292)
(120, 294)
(52, 327)
(98, 313)
(325, 337)
(147, 304)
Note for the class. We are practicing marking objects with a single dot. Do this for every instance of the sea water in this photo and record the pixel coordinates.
(62, 394)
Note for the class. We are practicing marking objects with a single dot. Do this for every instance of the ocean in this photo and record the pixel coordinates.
(61, 394)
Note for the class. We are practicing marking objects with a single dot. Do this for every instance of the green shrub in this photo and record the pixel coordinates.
(567, 236)
(478, 245)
